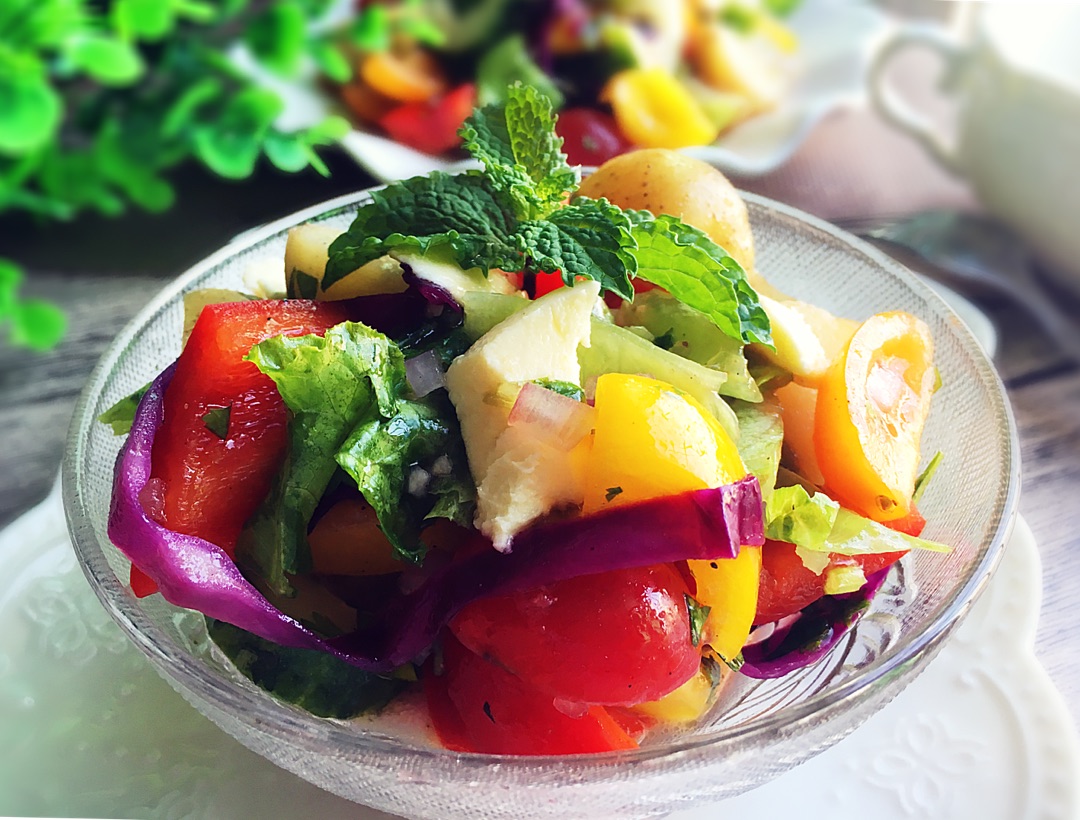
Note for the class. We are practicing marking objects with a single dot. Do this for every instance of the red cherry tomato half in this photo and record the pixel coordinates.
(477, 707)
(431, 126)
(590, 137)
(619, 637)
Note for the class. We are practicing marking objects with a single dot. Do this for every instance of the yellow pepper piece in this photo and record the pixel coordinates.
(655, 110)
(653, 440)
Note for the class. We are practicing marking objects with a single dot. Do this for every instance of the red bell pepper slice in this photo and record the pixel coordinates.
(204, 484)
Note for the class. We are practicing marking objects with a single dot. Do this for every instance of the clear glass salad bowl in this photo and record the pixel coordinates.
(761, 729)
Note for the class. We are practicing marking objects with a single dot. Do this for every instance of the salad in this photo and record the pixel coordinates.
(623, 72)
(539, 456)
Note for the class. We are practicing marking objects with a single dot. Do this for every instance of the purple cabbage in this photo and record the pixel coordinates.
(809, 635)
(196, 574)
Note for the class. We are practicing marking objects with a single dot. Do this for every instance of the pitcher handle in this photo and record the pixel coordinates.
(888, 102)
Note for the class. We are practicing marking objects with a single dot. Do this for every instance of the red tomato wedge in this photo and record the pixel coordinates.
(210, 485)
(476, 706)
(619, 637)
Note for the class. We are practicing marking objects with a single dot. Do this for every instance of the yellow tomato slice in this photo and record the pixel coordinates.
(655, 110)
(872, 406)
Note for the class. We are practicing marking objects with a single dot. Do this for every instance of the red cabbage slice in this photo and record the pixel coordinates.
(190, 571)
(702, 524)
(196, 574)
(808, 636)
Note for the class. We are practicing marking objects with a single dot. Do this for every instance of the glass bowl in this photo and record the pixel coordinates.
(763, 727)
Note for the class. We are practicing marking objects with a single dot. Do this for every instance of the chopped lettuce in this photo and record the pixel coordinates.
(689, 333)
(818, 524)
(331, 384)
(760, 442)
(122, 414)
(509, 62)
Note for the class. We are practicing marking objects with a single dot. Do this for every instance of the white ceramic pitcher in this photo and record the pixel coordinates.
(1016, 84)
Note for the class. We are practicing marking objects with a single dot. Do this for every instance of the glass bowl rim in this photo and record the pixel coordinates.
(313, 733)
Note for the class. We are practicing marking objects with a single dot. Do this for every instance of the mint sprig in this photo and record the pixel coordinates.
(508, 217)
(511, 217)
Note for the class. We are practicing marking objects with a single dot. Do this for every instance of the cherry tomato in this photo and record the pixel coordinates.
(590, 137)
(620, 637)
(872, 404)
(476, 706)
(431, 126)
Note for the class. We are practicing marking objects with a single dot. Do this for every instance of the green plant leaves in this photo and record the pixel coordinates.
(231, 145)
(108, 60)
(30, 111)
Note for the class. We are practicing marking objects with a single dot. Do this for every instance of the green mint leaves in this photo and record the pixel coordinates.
(520, 151)
(512, 217)
(508, 217)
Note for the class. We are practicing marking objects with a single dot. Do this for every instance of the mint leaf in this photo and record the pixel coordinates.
(589, 238)
(523, 156)
(568, 389)
(216, 420)
(331, 384)
(462, 216)
(395, 463)
(699, 273)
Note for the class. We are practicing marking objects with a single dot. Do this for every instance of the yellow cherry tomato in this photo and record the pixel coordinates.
(872, 404)
(655, 110)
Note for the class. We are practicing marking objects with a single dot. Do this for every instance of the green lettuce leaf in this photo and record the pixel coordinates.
(818, 524)
(509, 62)
(385, 455)
(699, 273)
(520, 151)
(795, 516)
(122, 414)
(330, 384)
(689, 333)
(761, 441)
(314, 680)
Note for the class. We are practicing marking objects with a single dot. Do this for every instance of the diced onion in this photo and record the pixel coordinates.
(424, 374)
(557, 420)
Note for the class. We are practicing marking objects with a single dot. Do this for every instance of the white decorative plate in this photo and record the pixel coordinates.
(836, 40)
(88, 729)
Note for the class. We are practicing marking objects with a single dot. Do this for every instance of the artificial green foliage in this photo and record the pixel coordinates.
(101, 100)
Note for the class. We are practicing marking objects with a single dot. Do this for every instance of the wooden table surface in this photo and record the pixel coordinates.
(102, 272)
